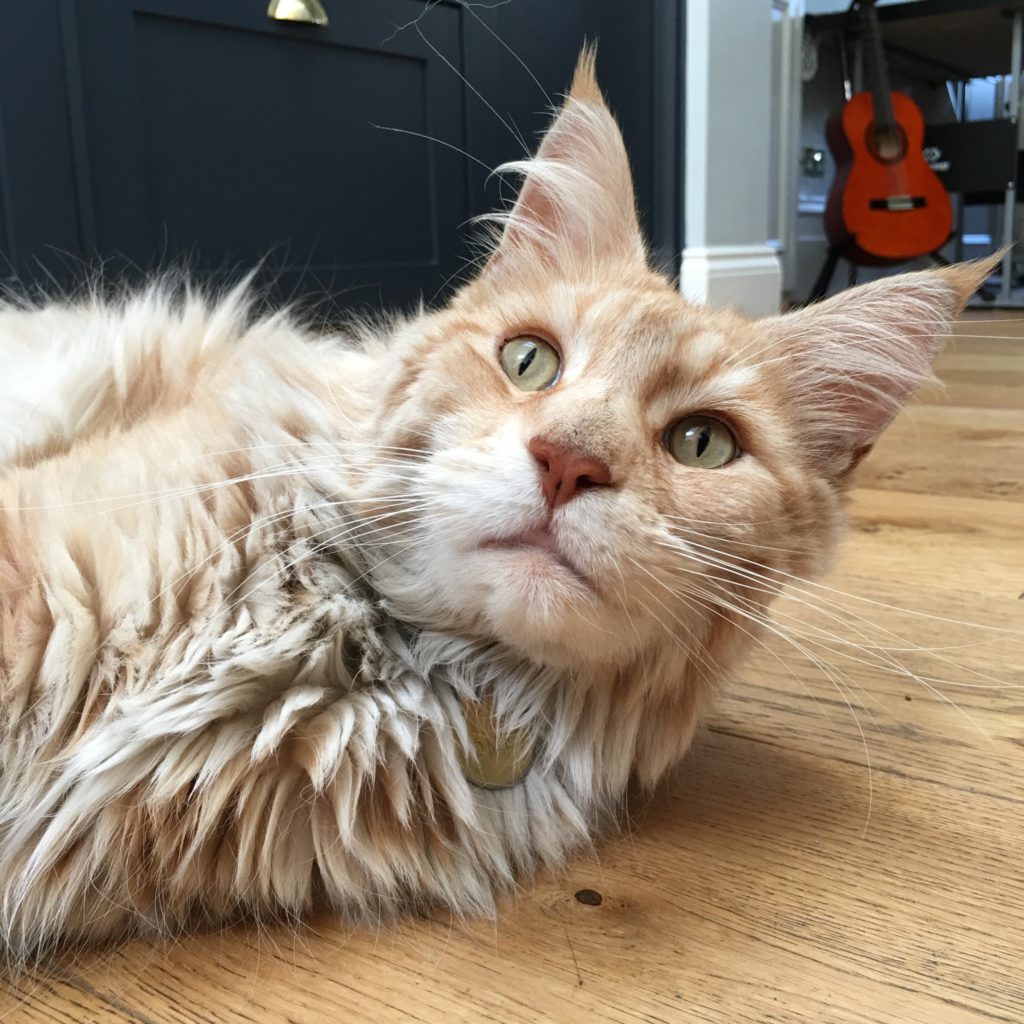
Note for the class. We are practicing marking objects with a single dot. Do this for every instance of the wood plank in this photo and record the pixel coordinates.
(951, 451)
(749, 887)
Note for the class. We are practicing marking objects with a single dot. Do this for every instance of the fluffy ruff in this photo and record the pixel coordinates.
(209, 709)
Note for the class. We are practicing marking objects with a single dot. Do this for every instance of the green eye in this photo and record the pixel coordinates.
(701, 442)
(531, 363)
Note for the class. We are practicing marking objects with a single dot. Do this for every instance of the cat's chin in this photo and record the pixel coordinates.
(542, 604)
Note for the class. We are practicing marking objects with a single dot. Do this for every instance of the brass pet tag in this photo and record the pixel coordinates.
(498, 764)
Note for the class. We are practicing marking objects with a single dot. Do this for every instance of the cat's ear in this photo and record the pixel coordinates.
(848, 364)
(575, 208)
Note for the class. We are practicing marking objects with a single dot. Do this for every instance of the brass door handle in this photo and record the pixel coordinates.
(310, 11)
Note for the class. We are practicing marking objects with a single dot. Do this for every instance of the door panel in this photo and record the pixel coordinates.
(219, 134)
(39, 224)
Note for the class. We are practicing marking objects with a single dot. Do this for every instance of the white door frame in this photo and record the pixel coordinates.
(728, 259)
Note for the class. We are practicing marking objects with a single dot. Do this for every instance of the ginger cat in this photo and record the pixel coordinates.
(391, 619)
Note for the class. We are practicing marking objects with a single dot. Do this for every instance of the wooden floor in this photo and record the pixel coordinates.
(834, 850)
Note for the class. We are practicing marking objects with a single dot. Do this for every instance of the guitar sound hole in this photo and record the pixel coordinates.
(887, 142)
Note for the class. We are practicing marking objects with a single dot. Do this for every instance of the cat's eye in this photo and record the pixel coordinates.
(701, 442)
(531, 363)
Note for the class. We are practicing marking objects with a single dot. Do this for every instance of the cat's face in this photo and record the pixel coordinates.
(570, 505)
(605, 468)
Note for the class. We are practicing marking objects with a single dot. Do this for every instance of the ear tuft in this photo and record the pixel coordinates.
(966, 278)
(575, 213)
(584, 80)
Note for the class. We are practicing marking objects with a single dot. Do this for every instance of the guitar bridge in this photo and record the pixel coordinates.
(897, 204)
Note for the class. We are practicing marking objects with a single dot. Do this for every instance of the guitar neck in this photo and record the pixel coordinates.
(875, 70)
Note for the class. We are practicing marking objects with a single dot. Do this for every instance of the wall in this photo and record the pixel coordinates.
(727, 260)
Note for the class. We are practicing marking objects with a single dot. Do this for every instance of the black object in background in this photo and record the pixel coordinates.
(976, 158)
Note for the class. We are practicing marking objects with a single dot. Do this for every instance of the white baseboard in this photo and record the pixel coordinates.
(743, 277)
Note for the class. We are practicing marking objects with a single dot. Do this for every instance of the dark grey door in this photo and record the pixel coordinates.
(216, 133)
(145, 133)
(39, 224)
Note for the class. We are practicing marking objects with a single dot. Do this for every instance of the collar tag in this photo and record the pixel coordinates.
(494, 763)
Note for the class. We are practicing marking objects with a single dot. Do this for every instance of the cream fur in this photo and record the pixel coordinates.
(247, 575)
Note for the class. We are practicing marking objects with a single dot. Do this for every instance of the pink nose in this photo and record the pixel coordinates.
(564, 473)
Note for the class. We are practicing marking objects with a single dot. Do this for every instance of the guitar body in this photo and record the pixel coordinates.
(886, 204)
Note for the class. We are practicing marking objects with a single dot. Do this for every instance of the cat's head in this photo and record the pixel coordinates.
(607, 469)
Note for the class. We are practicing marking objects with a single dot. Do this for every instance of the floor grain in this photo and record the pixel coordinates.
(845, 845)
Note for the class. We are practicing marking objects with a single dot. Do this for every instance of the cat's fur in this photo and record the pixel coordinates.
(246, 578)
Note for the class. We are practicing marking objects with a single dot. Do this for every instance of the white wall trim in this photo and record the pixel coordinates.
(727, 260)
(743, 277)
(787, 86)
(697, 128)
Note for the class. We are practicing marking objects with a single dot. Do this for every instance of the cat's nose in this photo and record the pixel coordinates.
(564, 473)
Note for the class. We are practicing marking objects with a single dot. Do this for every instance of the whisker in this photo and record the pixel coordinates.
(277, 471)
(699, 651)
(879, 662)
(989, 337)
(730, 541)
(472, 88)
(432, 138)
(791, 592)
(468, 7)
(249, 528)
(337, 536)
(868, 600)
(830, 673)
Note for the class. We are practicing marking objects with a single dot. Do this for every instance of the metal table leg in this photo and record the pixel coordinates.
(1011, 187)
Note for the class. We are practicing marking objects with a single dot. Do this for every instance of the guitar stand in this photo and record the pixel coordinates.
(835, 253)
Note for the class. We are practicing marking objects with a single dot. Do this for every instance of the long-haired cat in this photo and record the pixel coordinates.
(388, 620)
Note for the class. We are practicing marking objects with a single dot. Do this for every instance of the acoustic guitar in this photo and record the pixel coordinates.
(886, 204)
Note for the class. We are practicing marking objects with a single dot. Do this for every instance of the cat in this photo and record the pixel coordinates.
(389, 620)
